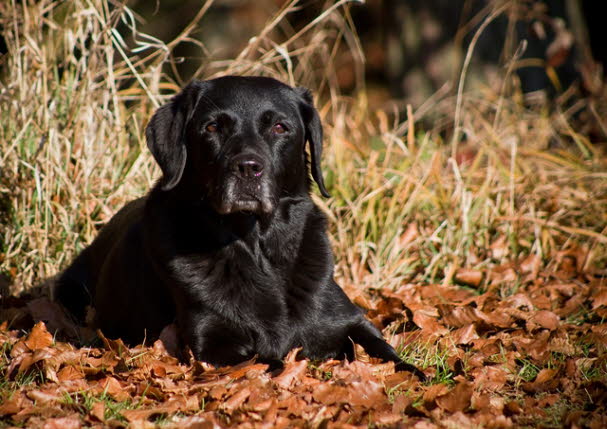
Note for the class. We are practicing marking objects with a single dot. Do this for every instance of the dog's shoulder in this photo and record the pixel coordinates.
(120, 224)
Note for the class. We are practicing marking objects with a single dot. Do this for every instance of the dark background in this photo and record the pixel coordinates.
(407, 43)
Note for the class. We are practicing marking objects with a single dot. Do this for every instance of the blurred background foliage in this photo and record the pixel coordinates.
(410, 48)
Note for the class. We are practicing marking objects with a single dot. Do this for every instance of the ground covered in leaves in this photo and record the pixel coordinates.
(528, 348)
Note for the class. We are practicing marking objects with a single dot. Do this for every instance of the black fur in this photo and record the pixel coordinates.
(228, 243)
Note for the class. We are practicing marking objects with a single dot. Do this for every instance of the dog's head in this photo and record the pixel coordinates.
(238, 142)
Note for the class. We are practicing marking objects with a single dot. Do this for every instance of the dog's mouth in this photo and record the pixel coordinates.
(245, 206)
(239, 196)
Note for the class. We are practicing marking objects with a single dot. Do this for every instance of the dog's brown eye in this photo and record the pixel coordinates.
(279, 129)
(212, 127)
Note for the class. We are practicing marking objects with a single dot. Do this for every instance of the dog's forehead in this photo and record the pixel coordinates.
(249, 95)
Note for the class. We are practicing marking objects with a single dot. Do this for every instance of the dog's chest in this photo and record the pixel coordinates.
(237, 282)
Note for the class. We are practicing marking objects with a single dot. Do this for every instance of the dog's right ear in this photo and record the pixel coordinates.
(165, 134)
(313, 136)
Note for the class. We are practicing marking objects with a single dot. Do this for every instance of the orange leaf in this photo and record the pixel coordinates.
(458, 399)
(39, 338)
(236, 400)
(98, 411)
(469, 277)
(465, 334)
(114, 388)
(69, 372)
(72, 422)
(291, 374)
(546, 319)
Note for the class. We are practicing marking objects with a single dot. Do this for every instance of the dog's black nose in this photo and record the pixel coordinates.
(247, 166)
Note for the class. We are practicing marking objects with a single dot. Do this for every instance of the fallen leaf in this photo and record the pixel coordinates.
(98, 411)
(366, 394)
(143, 414)
(465, 334)
(469, 277)
(236, 400)
(434, 391)
(42, 397)
(292, 372)
(330, 393)
(401, 403)
(545, 319)
(112, 387)
(69, 372)
(39, 338)
(457, 399)
(63, 423)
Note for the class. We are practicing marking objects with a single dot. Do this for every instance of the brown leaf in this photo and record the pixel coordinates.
(599, 299)
(531, 264)
(292, 372)
(545, 381)
(368, 394)
(12, 405)
(401, 403)
(69, 372)
(248, 369)
(387, 418)
(458, 316)
(465, 334)
(42, 397)
(545, 319)
(429, 324)
(545, 375)
(236, 400)
(469, 277)
(19, 349)
(98, 411)
(492, 378)
(480, 401)
(206, 421)
(39, 338)
(142, 414)
(112, 387)
(117, 346)
(292, 405)
(434, 391)
(330, 393)
(458, 399)
(63, 423)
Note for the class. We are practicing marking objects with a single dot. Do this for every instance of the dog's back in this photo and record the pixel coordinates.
(75, 287)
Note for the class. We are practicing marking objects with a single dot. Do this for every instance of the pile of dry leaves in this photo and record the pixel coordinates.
(529, 348)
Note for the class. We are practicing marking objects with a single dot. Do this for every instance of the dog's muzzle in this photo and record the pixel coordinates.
(247, 186)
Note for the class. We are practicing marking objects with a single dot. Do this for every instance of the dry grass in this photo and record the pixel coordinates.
(406, 206)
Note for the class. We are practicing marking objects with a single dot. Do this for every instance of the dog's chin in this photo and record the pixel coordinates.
(245, 205)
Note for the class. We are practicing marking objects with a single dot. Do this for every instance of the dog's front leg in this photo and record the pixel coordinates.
(366, 335)
(213, 340)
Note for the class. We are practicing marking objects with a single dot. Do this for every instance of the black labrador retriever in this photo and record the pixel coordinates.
(228, 243)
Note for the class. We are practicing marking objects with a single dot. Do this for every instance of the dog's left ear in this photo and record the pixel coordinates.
(165, 134)
(313, 135)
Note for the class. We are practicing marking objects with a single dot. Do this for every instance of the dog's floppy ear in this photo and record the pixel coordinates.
(313, 136)
(165, 134)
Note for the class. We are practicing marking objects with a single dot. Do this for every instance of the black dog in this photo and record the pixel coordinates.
(228, 243)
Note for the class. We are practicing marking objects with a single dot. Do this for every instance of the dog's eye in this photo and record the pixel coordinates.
(212, 127)
(279, 129)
